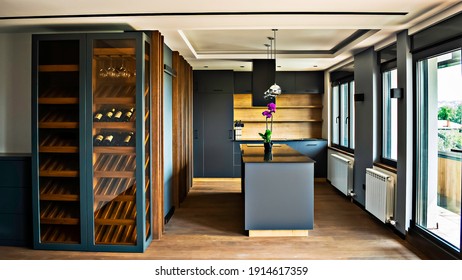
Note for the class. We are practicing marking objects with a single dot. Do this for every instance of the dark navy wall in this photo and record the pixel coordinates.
(168, 152)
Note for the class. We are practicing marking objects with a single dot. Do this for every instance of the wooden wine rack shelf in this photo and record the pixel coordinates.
(55, 166)
(115, 125)
(109, 94)
(59, 234)
(58, 143)
(58, 119)
(118, 235)
(59, 68)
(114, 150)
(114, 51)
(56, 214)
(117, 166)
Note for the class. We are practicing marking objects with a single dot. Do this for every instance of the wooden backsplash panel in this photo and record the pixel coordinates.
(283, 130)
(255, 114)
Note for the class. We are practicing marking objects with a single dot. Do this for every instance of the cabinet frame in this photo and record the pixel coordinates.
(36, 149)
(143, 171)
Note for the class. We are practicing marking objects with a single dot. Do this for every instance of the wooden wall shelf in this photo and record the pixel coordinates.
(297, 116)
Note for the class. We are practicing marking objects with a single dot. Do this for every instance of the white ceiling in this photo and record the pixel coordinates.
(312, 35)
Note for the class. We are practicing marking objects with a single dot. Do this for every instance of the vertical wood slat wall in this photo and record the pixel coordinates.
(182, 129)
(157, 128)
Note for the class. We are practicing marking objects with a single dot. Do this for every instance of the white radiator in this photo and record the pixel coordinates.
(380, 195)
(341, 173)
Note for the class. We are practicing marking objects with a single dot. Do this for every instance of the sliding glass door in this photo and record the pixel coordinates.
(439, 146)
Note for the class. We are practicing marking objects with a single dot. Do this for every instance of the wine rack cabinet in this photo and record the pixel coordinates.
(91, 142)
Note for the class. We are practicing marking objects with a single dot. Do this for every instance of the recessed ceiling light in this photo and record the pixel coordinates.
(315, 66)
(206, 66)
(279, 66)
(242, 66)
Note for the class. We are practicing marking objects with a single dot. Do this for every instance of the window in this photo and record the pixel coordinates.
(389, 118)
(439, 145)
(343, 115)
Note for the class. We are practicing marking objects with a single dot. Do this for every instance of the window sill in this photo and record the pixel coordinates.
(386, 167)
(342, 151)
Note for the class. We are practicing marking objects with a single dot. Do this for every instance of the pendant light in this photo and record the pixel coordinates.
(275, 89)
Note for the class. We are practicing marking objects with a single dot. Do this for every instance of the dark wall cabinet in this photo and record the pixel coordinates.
(301, 81)
(242, 82)
(214, 81)
(213, 124)
(91, 142)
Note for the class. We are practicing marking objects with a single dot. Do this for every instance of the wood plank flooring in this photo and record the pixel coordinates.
(210, 222)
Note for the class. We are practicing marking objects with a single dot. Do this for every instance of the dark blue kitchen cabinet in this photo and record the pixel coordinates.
(15, 200)
(300, 81)
(316, 149)
(242, 82)
(213, 123)
(213, 81)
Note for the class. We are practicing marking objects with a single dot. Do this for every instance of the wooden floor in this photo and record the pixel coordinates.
(209, 225)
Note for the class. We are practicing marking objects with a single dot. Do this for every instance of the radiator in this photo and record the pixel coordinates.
(380, 195)
(341, 173)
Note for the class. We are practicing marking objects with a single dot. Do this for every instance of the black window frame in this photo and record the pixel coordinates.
(385, 67)
(345, 80)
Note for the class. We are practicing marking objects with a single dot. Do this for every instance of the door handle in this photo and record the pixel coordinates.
(196, 134)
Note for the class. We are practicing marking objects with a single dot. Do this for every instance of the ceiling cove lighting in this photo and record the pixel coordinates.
(275, 89)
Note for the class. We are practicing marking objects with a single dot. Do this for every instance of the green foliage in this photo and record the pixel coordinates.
(266, 137)
(457, 115)
(445, 113)
(449, 139)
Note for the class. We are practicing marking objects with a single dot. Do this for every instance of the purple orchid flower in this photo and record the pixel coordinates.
(267, 114)
(272, 107)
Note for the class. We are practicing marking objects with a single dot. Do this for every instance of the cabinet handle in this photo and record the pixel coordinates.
(196, 134)
(311, 145)
(230, 134)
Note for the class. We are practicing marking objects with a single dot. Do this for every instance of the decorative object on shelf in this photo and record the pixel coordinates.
(268, 132)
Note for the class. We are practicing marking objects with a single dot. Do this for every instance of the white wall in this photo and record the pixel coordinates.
(15, 93)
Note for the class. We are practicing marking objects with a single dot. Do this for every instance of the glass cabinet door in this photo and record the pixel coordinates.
(114, 132)
(56, 148)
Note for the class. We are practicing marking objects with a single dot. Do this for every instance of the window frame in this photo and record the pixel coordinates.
(385, 67)
(346, 80)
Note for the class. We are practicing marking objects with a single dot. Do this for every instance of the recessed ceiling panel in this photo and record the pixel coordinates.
(239, 41)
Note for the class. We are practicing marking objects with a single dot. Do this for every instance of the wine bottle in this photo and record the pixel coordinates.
(128, 139)
(108, 117)
(128, 115)
(118, 115)
(98, 116)
(108, 140)
(98, 141)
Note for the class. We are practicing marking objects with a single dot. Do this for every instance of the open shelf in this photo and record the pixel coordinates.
(59, 68)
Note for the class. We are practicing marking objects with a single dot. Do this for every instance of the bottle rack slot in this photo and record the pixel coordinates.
(57, 213)
(115, 94)
(119, 235)
(59, 95)
(54, 189)
(114, 139)
(115, 189)
(58, 166)
(118, 166)
(62, 142)
(50, 117)
(116, 213)
(60, 234)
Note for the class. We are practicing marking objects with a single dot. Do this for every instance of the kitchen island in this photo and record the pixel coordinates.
(278, 191)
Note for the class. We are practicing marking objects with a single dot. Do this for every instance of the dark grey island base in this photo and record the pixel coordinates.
(278, 193)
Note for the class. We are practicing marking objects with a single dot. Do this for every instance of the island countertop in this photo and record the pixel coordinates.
(281, 153)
